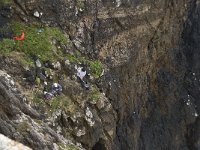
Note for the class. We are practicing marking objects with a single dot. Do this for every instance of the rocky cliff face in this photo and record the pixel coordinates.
(150, 88)
(7, 143)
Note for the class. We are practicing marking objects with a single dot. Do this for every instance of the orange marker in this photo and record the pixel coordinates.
(19, 38)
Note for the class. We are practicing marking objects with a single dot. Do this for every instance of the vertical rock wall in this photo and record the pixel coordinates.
(150, 50)
(156, 92)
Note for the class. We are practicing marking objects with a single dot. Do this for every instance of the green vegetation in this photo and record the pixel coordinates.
(72, 58)
(38, 121)
(80, 4)
(39, 40)
(58, 102)
(5, 2)
(95, 66)
(7, 45)
(94, 94)
(25, 60)
(44, 42)
(67, 147)
(37, 99)
(61, 102)
(22, 127)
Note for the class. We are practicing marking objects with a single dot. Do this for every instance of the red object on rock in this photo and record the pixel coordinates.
(19, 38)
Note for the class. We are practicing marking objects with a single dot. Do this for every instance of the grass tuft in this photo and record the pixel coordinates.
(67, 147)
(94, 95)
(61, 102)
(22, 127)
(95, 66)
(39, 40)
(7, 45)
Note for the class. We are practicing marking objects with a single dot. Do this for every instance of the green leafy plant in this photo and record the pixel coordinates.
(96, 67)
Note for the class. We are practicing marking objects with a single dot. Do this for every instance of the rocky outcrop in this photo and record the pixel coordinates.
(7, 143)
(150, 51)
(19, 120)
(83, 121)
(153, 98)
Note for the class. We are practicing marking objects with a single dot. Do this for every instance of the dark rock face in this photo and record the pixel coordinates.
(156, 91)
(151, 53)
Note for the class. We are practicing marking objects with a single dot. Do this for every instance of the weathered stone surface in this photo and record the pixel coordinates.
(6, 143)
(150, 50)
(17, 119)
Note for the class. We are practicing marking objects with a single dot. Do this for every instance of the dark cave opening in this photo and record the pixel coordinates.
(99, 146)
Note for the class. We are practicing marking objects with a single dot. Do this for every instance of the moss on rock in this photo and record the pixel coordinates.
(22, 127)
(67, 147)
